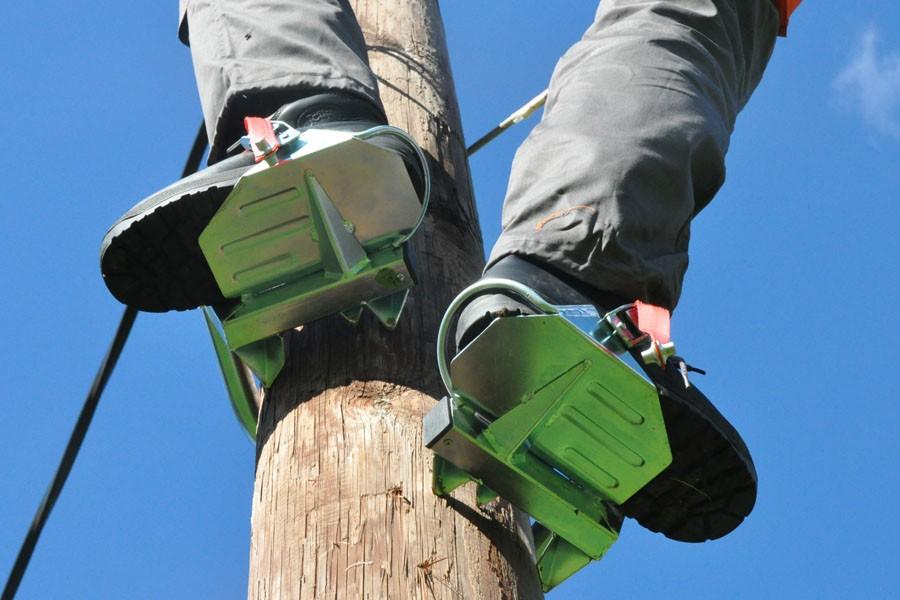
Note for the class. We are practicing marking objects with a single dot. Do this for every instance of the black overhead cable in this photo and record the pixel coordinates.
(87, 414)
(518, 116)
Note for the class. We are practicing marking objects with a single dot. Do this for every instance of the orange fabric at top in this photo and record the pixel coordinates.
(786, 7)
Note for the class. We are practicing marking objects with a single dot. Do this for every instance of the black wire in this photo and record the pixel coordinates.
(196, 154)
(87, 414)
(65, 465)
(485, 140)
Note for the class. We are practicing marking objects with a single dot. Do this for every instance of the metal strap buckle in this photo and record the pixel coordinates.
(619, 332)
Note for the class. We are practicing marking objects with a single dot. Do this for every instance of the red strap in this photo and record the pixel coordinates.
(260, 129)
(785, 8)
(653, 320)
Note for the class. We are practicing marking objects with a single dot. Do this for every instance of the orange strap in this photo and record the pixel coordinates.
(785, 8)
(260, 129)
(652, 320)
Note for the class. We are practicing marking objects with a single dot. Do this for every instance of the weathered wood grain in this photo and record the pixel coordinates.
(342, 506)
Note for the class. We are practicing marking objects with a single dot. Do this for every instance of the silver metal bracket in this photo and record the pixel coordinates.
(618, 332)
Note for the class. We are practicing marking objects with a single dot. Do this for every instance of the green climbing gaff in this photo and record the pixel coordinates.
(318, 228)
(548, 416)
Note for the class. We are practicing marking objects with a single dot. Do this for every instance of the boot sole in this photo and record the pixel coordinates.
(153, 262)
(710, 487)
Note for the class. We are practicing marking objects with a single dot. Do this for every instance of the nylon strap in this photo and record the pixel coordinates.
(263, 140)
(652, 320)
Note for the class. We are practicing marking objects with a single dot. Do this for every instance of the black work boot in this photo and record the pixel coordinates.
(150, 258)
(710, 486)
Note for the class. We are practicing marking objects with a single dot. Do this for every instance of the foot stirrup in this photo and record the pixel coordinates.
(548, 417)
(318, 227)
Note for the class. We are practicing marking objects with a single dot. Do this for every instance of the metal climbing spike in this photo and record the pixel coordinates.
(447, 477)
(388, 308)
(484, 495)
(353, 315)
(265, 357)
(557, 559)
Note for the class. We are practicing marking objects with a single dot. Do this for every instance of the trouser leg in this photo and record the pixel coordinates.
(252, 56)
(633, 139)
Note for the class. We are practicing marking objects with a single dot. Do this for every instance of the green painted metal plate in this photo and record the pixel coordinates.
(550, 420)
(241, 391)
(319, 234)
(264, 234)
(605, 430)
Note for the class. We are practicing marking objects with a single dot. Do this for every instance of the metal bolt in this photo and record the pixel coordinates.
(658, 353)
(267, 151)
(389, 278)
(683, 369)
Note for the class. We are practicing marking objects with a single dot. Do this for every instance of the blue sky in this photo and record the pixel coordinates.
(788, 304)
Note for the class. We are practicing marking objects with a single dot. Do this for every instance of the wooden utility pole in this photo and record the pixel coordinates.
(342, 505)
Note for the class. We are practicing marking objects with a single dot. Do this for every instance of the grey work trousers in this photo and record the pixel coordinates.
(630, 147)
